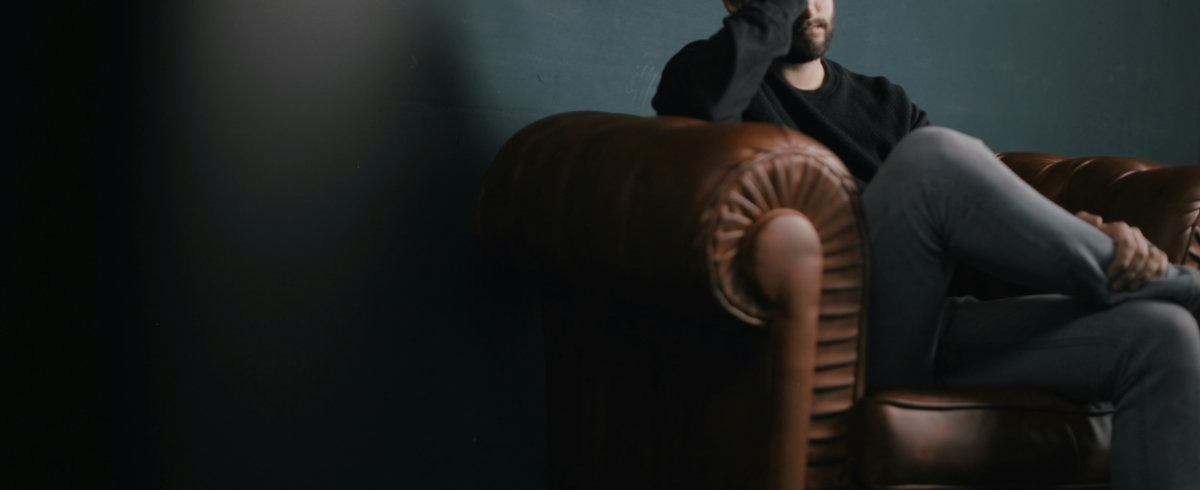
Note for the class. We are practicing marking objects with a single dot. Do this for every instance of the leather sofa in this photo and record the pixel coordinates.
(701, 292)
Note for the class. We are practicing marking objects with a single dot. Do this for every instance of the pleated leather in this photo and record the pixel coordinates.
(822, 191)
(636, 227)
(654, 212)
(659, 205)
(1163, 201)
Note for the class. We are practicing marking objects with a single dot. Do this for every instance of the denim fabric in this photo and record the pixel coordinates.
(942, 197)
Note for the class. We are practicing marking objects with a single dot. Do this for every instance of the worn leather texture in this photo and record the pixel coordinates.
(937, 438)
(950, 438)
(656, 205)
(1161, 200)
(668, 366)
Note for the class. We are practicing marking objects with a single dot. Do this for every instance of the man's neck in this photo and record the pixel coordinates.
(804, 76)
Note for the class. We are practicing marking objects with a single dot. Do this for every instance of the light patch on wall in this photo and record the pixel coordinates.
(291, 95)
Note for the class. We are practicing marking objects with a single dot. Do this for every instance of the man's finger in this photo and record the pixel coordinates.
(1162, 263)
(1125, 250)
(1159, 263)
(1089, 218)
(1134, 274)
(1144, 268)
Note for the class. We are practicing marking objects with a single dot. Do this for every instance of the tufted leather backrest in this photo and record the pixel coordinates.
(1161, 200)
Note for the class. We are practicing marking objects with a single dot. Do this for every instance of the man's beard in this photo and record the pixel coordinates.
(804, 48)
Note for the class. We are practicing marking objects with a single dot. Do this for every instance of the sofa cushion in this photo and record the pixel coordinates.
(979, 437)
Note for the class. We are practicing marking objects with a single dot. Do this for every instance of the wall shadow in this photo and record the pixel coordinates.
(304, 305)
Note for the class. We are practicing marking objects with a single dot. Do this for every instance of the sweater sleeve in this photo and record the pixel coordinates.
(919, 118)
(715, 79)
(914, 116)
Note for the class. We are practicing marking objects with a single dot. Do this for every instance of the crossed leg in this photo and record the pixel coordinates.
(942, 197)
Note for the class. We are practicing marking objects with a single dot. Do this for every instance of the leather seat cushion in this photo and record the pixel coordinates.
(959, 437)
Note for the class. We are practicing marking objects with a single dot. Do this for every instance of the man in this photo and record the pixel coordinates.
(1120, 331)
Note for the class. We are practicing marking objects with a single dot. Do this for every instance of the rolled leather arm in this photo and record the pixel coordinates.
(656, 207)
(1163, 201)
(693, 218)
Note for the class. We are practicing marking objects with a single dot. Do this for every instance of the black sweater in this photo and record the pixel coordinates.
(729, 77)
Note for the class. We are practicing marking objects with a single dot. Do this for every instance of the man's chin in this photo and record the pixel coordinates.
(803, 55)
(798, 58)
(805, 49)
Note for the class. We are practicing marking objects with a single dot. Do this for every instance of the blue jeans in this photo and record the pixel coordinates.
(942, 197)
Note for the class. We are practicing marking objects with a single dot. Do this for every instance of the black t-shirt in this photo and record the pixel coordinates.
(729, 77)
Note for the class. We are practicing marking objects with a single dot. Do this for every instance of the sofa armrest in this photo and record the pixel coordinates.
(656, 207)
(611, 213)
(1163, 201)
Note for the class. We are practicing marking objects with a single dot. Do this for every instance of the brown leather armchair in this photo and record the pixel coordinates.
(702, 300)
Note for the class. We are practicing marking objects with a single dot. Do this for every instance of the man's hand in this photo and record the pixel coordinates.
(1136, 260)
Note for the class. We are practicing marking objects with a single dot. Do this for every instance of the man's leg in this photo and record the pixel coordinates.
(941, 197)
(1142, 355)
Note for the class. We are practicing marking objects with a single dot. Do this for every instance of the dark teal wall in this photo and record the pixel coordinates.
(250, 260)
(1078, 77)
(1071, 76)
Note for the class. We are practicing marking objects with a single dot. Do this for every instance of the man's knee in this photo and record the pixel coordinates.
(933, 151)
(1164, 334)
(938, 135)
(935, 143)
